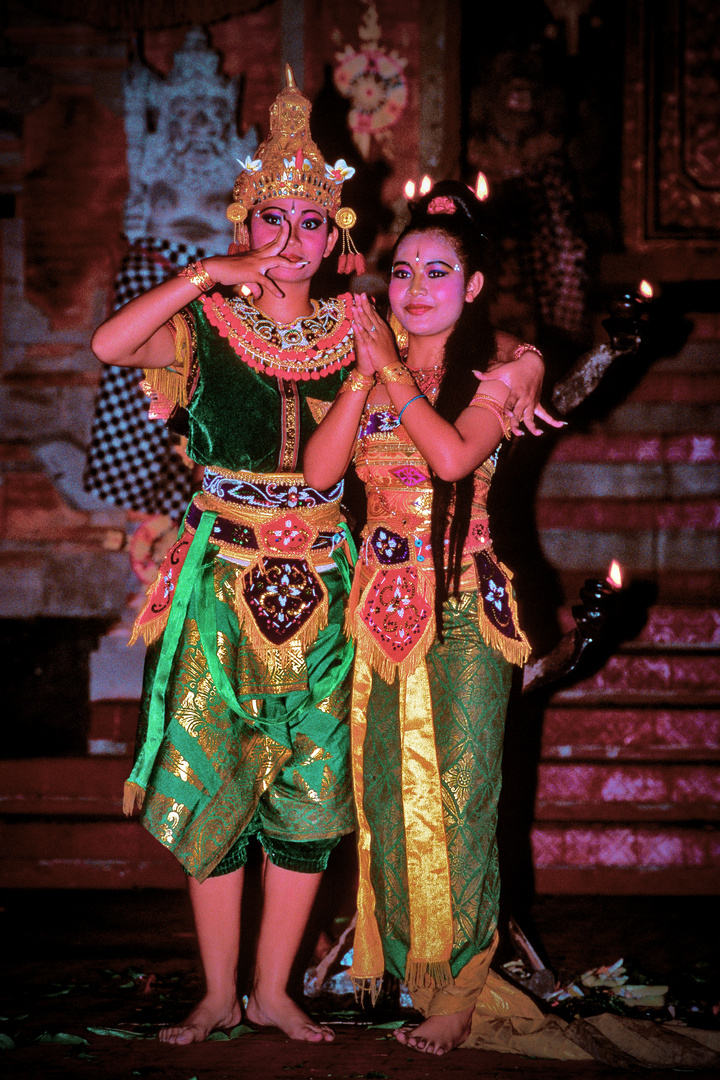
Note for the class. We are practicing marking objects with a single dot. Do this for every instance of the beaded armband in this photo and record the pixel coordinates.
(198, 275)
(517, 353)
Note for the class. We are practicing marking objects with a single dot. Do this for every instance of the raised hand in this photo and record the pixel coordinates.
(249, 270)
(375, 344)
(523, 377)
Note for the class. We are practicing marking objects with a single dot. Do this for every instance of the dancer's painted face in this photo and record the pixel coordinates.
(427, 285)
(311, 235)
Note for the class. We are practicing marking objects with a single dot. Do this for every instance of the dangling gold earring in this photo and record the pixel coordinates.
(401, 334)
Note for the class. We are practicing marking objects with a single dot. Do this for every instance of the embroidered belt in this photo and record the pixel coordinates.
(267, 491)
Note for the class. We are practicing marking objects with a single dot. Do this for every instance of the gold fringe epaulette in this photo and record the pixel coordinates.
(133, 798)
(171, 383)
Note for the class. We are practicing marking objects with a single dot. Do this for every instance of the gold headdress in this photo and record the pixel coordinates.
(288, 163)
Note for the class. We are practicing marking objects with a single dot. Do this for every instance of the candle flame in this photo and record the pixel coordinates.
(482, 189)
(409, 190)
(425, 185)
(614, 576)
(645, 289)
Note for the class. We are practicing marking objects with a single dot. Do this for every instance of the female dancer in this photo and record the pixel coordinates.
(243, 728)
(434, 620)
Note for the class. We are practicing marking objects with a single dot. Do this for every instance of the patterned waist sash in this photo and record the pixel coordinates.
(391, 613)
(281, 530)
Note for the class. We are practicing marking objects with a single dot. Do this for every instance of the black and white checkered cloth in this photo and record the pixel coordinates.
(131, 461)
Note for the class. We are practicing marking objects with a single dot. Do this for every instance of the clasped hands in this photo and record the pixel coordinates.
(375, 347)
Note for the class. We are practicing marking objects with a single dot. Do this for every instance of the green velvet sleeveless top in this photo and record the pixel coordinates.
(242, 419)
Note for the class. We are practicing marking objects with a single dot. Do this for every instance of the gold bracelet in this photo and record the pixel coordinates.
(526, 348)
(395, 372)
(198, 275)
(484, 401)
(356, 380)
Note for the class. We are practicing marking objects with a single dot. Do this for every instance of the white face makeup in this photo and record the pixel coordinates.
(308, 240)
(427, 285)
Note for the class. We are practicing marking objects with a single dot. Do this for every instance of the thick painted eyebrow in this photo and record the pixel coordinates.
(430, 262)
(280, 210)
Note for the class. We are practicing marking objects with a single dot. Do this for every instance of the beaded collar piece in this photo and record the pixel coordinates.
(308, 348)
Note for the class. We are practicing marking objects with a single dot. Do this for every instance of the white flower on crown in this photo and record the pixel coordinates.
(251, 164)
(340, 171)
(291, 163)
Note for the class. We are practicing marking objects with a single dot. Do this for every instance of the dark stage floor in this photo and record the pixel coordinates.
(76, 960)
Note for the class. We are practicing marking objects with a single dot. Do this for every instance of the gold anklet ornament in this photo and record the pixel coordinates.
(357, 380)
(198, 275)
(395, 372)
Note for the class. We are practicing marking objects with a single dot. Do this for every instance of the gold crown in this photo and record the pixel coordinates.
(289, 164)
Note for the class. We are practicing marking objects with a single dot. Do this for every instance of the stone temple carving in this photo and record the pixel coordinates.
(183, 147)
(183, 157)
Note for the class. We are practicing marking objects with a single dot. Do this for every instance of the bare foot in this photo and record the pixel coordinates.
(205, 1018)
(280, 1011)
(438, 1034)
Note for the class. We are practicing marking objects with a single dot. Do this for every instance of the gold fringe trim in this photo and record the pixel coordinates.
(149, 631)
(171, 382)
(516, 651)
(259, 644)
(379, 661)
(133, 798)
(167, 384)
(428, 975)
(370, 986)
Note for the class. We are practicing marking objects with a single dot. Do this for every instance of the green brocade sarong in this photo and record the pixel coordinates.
(470, 686)
(288, 747)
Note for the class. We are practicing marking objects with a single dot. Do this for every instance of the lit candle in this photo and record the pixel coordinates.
(425, 185)
(614, 575)
(646, 290)
(409, 190)
(482, 189)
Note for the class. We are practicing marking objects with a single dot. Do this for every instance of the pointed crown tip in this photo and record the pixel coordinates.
(290, 78)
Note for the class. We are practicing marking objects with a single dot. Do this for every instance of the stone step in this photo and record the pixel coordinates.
(669, 628)
(626, 858)
(645, 552)
(82, 786)
(617, 514)
(655, 480)
(676, 386)
(627, 792)
(648, 734)
(63, 854)
(673, 587)
(671, 679)
(598, 447)
(112, 727)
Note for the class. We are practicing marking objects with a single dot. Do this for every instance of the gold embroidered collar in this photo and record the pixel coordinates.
(307, 348)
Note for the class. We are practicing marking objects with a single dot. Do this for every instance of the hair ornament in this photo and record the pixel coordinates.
(441, 204)
(288, 164)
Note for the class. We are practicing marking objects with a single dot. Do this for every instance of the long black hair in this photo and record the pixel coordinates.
(461, 219)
